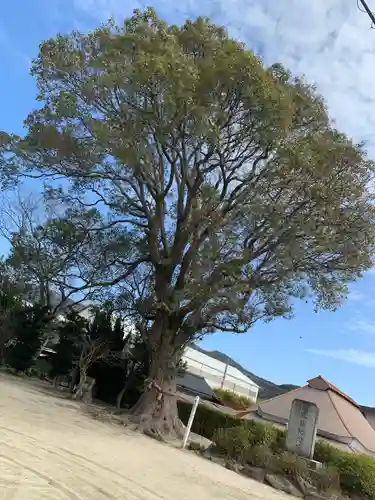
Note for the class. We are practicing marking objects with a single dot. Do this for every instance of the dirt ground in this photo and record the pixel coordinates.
(50, 449)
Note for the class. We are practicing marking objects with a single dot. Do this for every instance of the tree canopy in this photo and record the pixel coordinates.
(70, 333)
(181, 159)
(10, 305)
(29, 328)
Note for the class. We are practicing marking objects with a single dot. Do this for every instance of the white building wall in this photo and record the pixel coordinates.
(218, 374)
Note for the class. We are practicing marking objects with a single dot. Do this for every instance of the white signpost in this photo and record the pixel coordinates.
(302, 426)
(190, 422)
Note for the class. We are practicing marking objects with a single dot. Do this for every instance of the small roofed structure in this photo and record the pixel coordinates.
(340, 421)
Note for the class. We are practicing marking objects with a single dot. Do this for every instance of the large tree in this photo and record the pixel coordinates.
(221, 182)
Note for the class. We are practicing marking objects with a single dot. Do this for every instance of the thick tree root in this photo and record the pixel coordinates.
(84, 390)
(158, 419)
(160, 430)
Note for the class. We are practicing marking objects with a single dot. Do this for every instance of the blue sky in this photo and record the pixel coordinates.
(329, 41)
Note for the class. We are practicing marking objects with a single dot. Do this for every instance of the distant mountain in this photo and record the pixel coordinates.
(267, 389)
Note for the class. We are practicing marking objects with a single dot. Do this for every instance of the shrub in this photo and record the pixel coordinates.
(291, 465)
(326, 479)
(267, 434)
(236, 442)
(325, 453)
(233, 442)
(280, 438)
(260, 456)
(208, 421)
(233, 400)
(255, 443)
(356, 472)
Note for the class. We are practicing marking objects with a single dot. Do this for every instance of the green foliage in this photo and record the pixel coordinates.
(44, 249)
(9, 295)
(325, 452)
(108, 367)
(237, 441)
(102, 329)
(326, 479)
(290, 465)
(238, 162)
(101, 325)
(258, 449)
(117, 336)
(101, 343)
(130, 370)
(260, 456)
(357, 472)
(10, 303)
(259, 445)
(227, 190)
(233, 400)
(262, 445)
(233, 442)
(68, 346)
(208, 422)
(29, 329)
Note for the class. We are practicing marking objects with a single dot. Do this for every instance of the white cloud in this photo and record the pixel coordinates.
(102, 10)
(355, 296)
(354, 356)
(362, 326)
(328, 40)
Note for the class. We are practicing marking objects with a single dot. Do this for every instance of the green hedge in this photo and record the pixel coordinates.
(232, 399)
(207, 421)
(357, 472)
(238, 442)
(256, 442)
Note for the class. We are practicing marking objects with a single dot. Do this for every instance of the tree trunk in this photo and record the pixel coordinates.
(85, 389)
(78, 394)
(121, 394)
(73, 379)
(2, 354)
(156, 413)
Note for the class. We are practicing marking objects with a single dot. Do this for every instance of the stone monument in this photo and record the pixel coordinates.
(302, 426)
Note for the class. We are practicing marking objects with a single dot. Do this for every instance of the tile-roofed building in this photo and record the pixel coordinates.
(340, 418)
